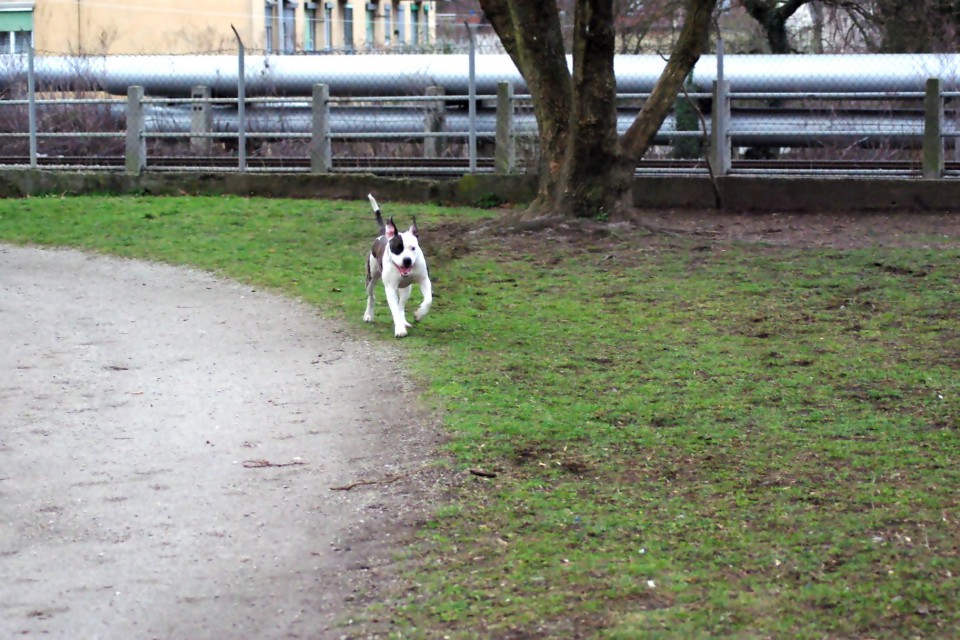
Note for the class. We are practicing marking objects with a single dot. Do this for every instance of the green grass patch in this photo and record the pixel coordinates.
(689, 441)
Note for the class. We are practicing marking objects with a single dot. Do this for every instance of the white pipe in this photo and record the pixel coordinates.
(372, 75)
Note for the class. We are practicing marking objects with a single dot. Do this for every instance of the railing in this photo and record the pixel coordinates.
(497, 125)
(501, 128)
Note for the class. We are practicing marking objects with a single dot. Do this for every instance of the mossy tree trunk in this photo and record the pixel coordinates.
(586, 169)
(530, 33)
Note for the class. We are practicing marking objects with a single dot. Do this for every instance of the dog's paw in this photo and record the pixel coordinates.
(368, 317)
(418, 314)
(400, 332)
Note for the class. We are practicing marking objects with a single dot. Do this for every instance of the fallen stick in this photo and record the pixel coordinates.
(260, 464)
(361, 483)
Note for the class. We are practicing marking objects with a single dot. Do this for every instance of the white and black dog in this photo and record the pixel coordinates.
(396, 259)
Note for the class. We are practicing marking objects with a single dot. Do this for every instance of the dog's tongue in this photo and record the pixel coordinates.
(405, 271)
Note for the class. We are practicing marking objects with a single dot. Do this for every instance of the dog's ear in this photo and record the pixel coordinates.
(390, 228)
(413, 227)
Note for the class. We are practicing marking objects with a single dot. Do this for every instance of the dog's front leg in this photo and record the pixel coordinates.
(399, 322)
(373, 277)
(427, 290)
(371, 290)
(404, 294)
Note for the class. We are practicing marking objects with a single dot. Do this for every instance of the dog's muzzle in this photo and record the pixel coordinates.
(404, 268)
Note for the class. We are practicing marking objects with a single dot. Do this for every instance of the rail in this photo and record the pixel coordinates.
(432, 134)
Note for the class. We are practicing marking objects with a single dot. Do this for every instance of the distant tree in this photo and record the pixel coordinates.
(917, 26)
(646, 25)
(772, 16)
(888, 26)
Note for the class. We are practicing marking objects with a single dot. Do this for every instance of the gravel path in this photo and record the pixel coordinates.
(168, 444)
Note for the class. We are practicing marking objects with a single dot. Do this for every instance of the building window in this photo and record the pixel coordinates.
(310, 27)
(15, 41)
(268, 26)
(289, 27)
(426, 23)
(371, 24)
(328, 25)
(387, 24)
(16, 31)
(414, 24)
(401, 29)
(348, 26)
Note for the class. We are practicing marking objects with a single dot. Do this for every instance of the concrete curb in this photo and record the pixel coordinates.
(740, 193)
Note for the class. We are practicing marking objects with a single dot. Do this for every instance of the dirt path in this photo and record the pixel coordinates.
(138, 405)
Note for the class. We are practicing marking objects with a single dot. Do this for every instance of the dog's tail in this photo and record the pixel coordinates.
(376, 210)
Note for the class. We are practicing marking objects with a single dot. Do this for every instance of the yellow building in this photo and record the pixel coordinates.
(190, 26)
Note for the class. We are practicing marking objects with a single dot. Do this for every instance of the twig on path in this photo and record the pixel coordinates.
(385, 480)
(483, 474)
(260, 464)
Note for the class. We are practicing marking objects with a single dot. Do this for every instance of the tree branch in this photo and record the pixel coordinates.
(686, 52)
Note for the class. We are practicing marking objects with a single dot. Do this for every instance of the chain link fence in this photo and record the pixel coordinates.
(414, 108)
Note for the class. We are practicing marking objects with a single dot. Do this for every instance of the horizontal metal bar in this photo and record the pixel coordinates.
(67, 101)
(277, 100)
(100, 167)
(149, 100)
(78, 134)
(402, 135)
(795, 135)
(425, 170)
(289, 135)
(839, 171)
(845, 95)
(416, 98)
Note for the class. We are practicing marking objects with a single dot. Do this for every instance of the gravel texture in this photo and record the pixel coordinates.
(171, 448)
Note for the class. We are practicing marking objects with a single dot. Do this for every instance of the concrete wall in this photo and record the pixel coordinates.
(762, 195)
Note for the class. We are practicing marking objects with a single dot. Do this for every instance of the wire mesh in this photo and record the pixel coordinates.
(399, 94)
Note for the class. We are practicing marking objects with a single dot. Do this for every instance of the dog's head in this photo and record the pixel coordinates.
(403, 249)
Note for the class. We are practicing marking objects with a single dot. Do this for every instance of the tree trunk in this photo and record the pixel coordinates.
(585, 169)
(592, 181)
(686, 52)
(530, 33)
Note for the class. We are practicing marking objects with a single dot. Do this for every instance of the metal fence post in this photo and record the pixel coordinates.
(321, 157)
(505, 154)
(720, 151)
(201, 121)
(472, 102)
(933, 130)
(32, 107)
(433, 123)
(136, 156)
(241, 105)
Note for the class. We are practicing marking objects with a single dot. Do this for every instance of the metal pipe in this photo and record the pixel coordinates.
(241, 105)
(372, 75)
(781, 127)
(32, 107)
(472, 100)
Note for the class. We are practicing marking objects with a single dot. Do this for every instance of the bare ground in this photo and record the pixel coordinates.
(179, 457)
(646, 229)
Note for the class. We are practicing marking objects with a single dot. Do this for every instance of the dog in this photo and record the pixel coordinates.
(397, 260)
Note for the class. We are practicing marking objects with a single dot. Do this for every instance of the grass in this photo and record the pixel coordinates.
(690, 442)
